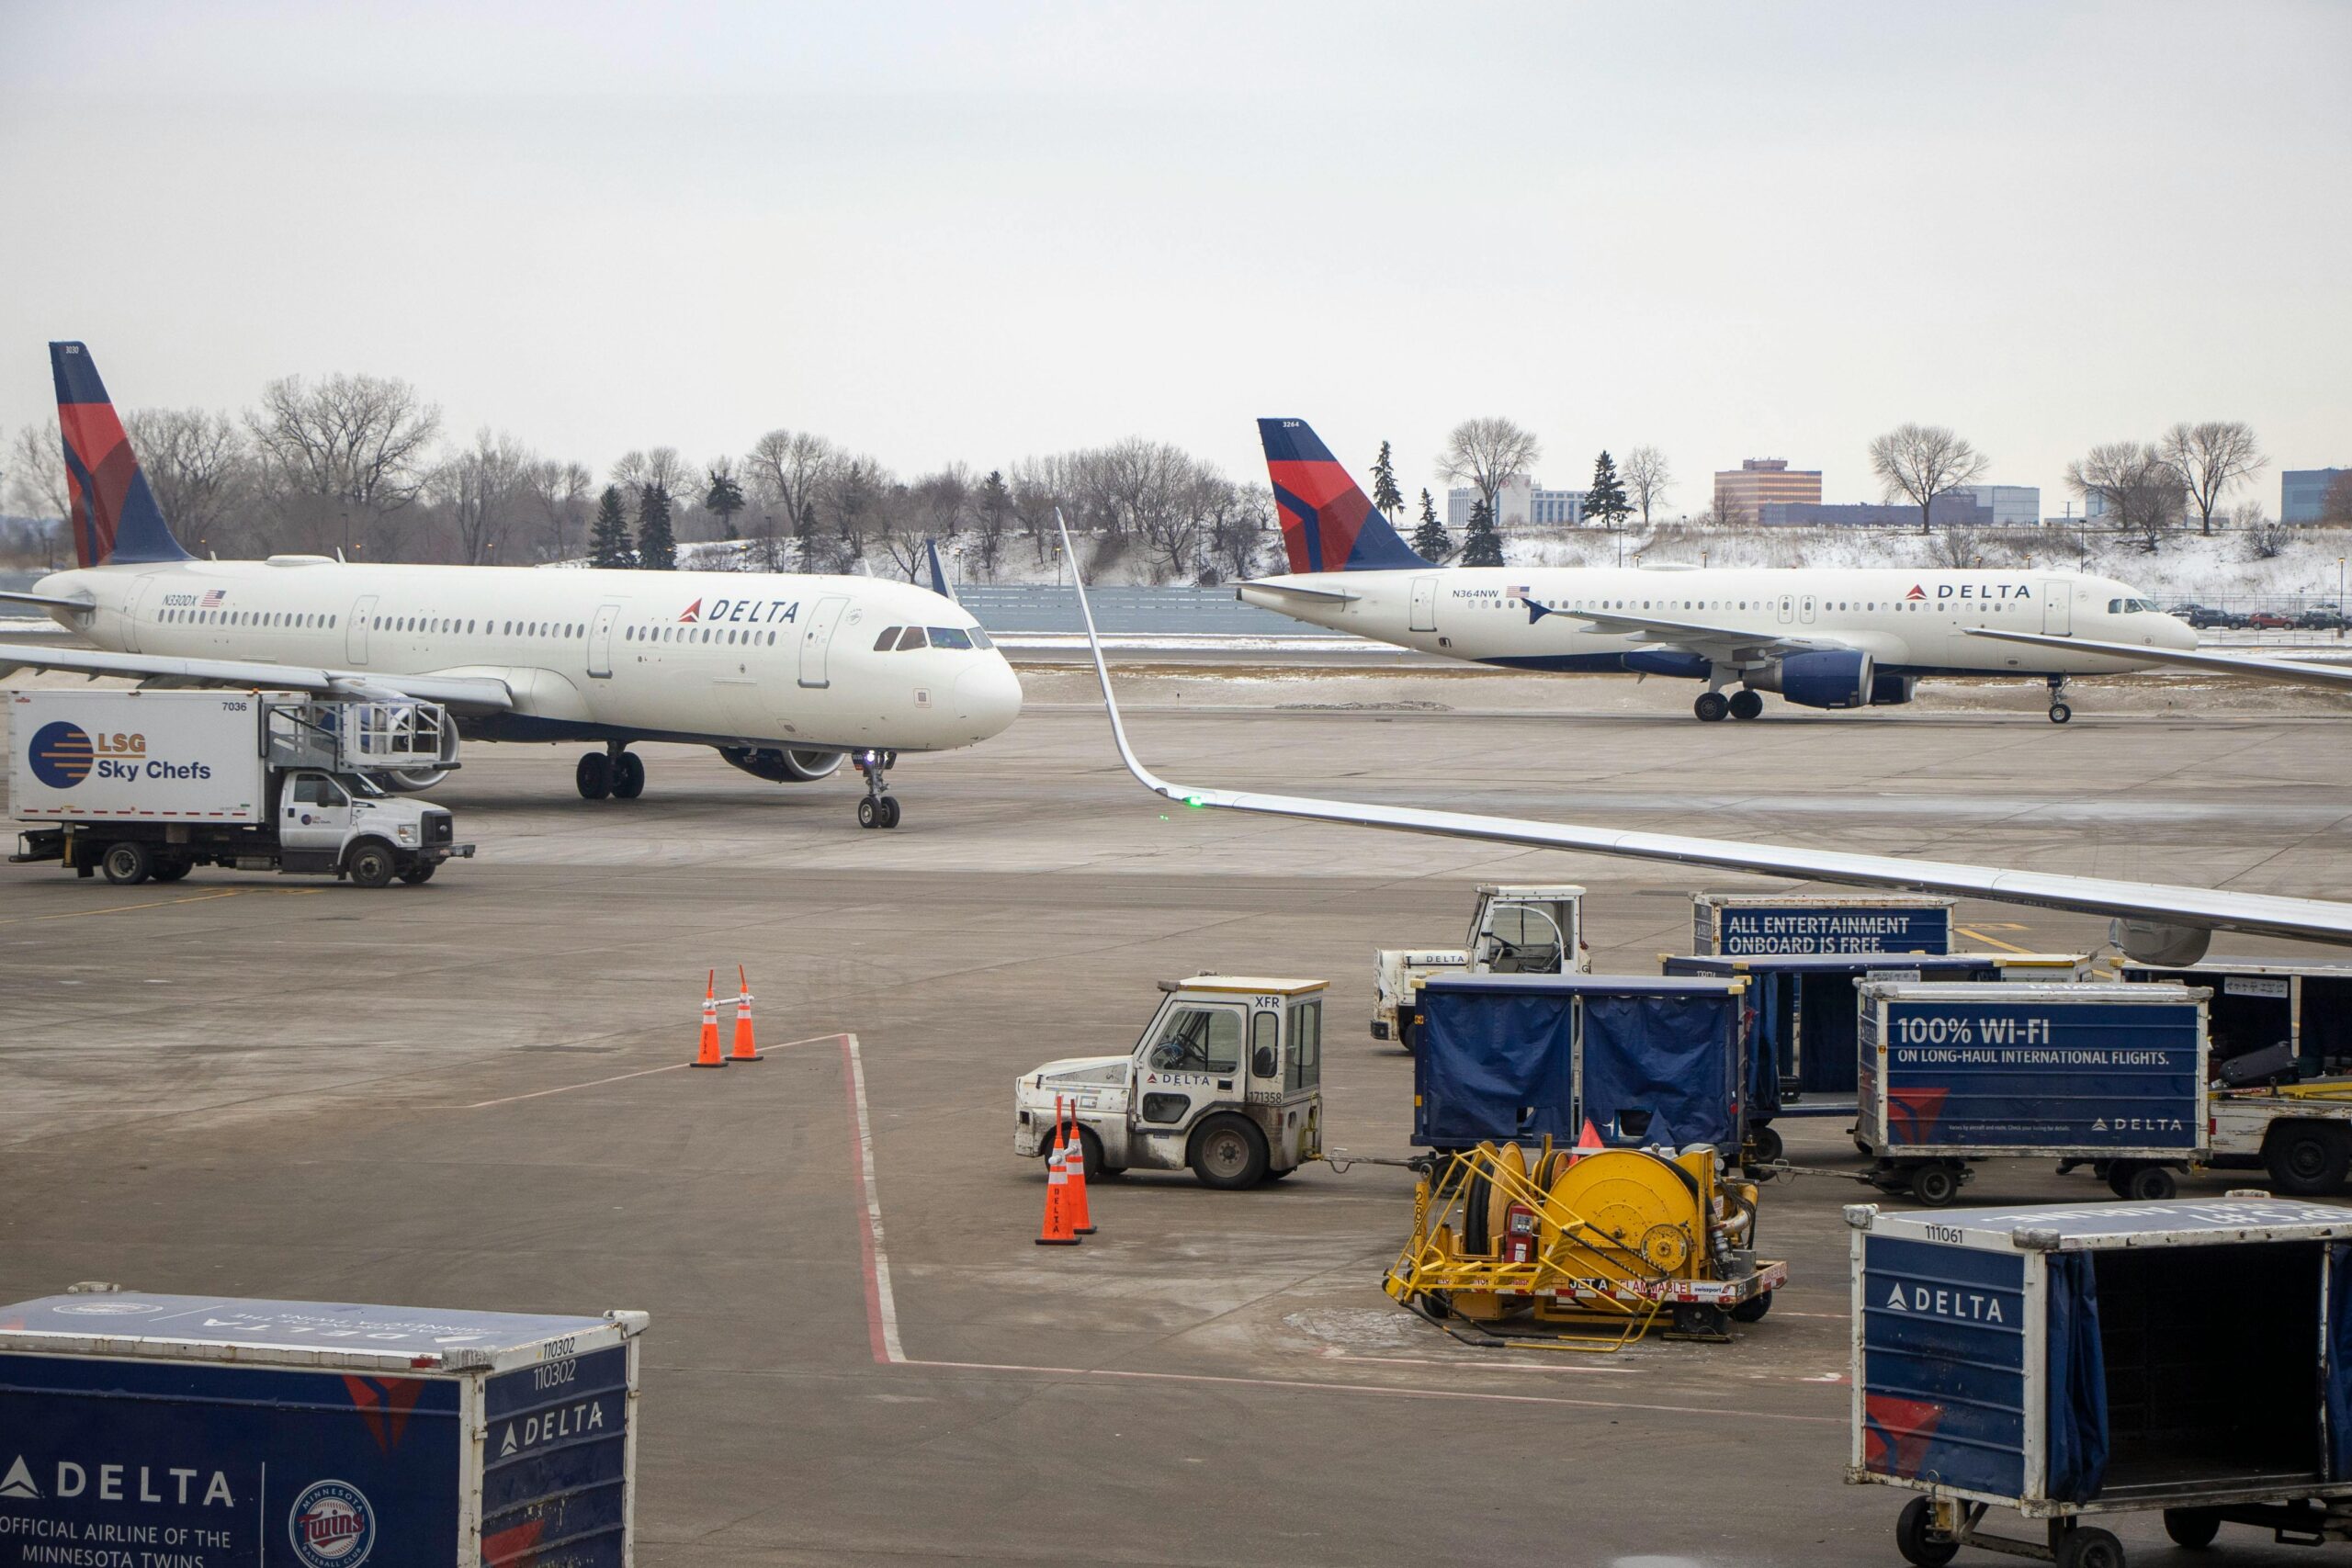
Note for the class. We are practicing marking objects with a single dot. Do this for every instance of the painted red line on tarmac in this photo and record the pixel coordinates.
(881, 1307)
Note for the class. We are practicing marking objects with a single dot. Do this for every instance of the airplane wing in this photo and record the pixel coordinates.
(1721, 645)
(482, 693)
(46, 601)
(2306, 919)
(2253, 669)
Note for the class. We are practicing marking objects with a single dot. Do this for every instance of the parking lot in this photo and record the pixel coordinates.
(472, 1095)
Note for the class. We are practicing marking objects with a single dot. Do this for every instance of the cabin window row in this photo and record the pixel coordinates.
(2114, 606)
(290, 619)
(699, 634)
(900, 638)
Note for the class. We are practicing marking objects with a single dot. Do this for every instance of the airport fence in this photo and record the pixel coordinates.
(1044, 608)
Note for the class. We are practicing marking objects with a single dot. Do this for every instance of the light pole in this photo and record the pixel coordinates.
(2339, 598)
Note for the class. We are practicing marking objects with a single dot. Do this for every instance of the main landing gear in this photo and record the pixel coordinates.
(616, 772)
(879, 808)
(1712, 706)
(2059, 712)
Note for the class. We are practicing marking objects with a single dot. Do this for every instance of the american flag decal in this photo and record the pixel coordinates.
(211, 598)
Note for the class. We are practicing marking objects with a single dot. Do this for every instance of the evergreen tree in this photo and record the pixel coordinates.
(1606, 499)
(608, 543)
(1384, 494)
(1481, 545)
(725, 497)
(804, 532)
(1430, 541)
(657, 547)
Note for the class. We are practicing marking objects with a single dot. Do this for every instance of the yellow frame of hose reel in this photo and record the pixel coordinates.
(1621, 1234)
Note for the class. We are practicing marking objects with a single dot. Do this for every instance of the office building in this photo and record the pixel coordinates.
(2303, 493)
(2010, 506)
(1743, 493)
(1519, 501)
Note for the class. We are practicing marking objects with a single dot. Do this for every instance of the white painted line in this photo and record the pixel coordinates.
(881, 1306)
(623, 1077)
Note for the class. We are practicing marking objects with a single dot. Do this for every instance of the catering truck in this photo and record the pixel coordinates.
(150, 785)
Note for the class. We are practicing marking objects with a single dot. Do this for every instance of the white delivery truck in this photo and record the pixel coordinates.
(1228, 1080)
(143, 784)
(1515, 929)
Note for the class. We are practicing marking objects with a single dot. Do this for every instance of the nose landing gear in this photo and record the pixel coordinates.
(879, 808)
(2059, 712)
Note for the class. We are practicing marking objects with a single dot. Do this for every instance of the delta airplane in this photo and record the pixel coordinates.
(784, 676)
(2155, 922)
(1821, 637)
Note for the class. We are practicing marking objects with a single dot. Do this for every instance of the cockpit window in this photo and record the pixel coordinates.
(981, 638)
(911, 638)
(950, 636)
(888, 641)
(2129, 606)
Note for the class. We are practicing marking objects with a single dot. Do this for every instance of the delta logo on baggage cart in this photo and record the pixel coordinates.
(331, 1524)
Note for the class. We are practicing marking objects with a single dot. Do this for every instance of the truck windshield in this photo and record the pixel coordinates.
(1198, 1040)
(361, 783)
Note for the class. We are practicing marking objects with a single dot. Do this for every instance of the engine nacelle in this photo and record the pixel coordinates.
(1887, 691)
(409, 781)
(2158, 941)
(782, 764)
(1831, 678)
(1683, 666)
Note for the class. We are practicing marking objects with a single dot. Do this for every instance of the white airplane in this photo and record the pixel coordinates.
(2155, 922)
(784, 675)
(1821, 637)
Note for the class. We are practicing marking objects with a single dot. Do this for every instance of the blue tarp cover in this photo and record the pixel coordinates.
(1661, 1060)
(2077, 1432)
(2339, 1361)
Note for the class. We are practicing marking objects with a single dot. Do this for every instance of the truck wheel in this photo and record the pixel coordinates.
(1912, 1540)
(2149, 1184)
(128, 864)
(1228, 1153)
(1091, 1152)
(1934, 1185)
(2305, 1160)
(171, 868)
(416, 874)
(1753, 1309)
(2193, 1526)
(372, 864)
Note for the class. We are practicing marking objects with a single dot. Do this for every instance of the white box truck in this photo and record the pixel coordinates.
(142, 784)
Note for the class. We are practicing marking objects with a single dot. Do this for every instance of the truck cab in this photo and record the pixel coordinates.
(1515, 929)
(346, 823)
(1227, 1081)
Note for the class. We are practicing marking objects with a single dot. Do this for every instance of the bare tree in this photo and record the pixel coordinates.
(851, 499)
(1040, 486)
(1647, 475)
(198, 467)
(2137, 490)
(2336, 506)
(484, 488)
(1238, 527)
(353, 447)
(561, 492)
(788, 469)
(1483, 453)
(1922, 462)
(2212, 458)
(36, 472)
(992, 518)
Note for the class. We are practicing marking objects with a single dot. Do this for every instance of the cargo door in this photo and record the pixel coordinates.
(818, 638)
(2057, 607)
(1425, 603)
(354, 630)
(600, 642)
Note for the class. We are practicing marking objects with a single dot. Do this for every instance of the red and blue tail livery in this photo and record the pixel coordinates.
(1329, 524)
(113, 514)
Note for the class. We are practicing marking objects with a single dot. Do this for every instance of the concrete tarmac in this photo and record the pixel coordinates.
(472, 1094)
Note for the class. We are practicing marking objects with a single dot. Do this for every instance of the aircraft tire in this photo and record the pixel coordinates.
(594, 776)
(629, 776)
(1711, 707)
(887, 811)
(867, 815)
(1745, 705)
(2060, 713)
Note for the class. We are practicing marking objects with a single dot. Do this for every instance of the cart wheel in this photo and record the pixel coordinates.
(2089, 1548)
(1753, 1309)
(1912, 1540)
(2193, 1526)
(1934, 1185)
(2150, 1184)
(1764, 1146)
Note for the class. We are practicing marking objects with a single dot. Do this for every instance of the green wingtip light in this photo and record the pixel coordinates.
(1195, 801)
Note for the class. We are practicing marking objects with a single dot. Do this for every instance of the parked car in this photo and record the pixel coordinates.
(2270, 621)
(2321, 618)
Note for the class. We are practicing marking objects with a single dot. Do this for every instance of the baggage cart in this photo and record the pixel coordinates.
(2109, 1075)
(2262, 1002)
(1741, 925)
(308, 1433)
(2067, 1363)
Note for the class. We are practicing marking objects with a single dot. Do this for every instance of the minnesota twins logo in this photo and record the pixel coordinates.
(62, 754)
(332, 1526)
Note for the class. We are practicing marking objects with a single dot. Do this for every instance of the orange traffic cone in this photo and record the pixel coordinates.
(706, 1054)
(745, 1051)
(1587, 1142)
(1074, 1176)
(1057, 1231)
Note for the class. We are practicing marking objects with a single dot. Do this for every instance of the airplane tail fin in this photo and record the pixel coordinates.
(112, 512)
(939, 584)
(1329, 524)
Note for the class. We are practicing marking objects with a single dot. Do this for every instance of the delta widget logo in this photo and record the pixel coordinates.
(62, 754)
(1917, 592)
(332, 1526)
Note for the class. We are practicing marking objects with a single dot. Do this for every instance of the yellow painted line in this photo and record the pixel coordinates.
(127, 908)
(1973, 934)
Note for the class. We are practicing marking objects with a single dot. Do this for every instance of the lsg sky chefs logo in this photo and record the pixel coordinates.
(332, 1526)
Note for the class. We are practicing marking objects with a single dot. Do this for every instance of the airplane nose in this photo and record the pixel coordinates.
(988, 695)
(2179, 635)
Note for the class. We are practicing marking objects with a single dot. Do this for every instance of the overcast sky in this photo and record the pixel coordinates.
(959, 231)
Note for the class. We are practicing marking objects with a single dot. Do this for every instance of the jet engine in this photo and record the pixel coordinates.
(2158, 941)
(782, 764)
(1827, 678)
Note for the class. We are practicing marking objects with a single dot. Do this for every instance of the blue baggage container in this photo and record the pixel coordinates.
(1524, 1057)
(208, 1429)
(1747, 925)
(2107, 1076)
(2192, 1355)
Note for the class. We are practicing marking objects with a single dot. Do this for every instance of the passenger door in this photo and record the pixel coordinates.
(1192, 1061)
(600, 642)
(817, 639)
(354, 630)
(2057, 607)
(314, 813)
(1424, 604)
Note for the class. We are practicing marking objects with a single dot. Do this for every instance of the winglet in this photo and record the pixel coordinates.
(1144, 775)
(939, 584)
